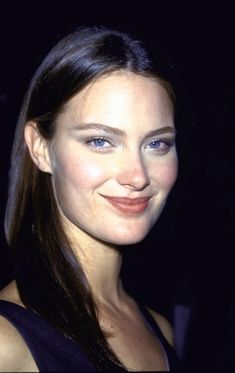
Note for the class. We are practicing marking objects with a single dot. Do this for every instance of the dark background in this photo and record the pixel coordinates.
(188, 258)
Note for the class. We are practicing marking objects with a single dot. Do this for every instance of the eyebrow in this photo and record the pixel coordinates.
(117, 131)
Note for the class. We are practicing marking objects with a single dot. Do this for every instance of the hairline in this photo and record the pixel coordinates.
(149, 75)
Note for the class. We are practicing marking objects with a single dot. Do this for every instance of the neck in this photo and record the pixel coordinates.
(101, 263)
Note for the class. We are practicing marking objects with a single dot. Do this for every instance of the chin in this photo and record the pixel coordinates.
(128, 238)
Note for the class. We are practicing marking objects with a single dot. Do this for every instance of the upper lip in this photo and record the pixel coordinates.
(128, 200)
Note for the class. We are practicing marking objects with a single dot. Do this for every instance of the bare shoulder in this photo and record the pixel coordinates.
(164, 326)
(11, 293)
(14, 353)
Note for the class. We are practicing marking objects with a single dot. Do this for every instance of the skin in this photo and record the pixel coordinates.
(84, 172)
(133, 157)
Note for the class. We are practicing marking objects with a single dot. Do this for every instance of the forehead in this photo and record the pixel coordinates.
(119, 96)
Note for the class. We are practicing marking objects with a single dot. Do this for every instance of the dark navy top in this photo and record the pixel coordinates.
(53, 352)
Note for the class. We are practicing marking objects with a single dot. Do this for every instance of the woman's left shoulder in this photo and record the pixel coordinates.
(164, 325)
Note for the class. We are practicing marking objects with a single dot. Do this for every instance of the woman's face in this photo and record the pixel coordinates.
(113, 158)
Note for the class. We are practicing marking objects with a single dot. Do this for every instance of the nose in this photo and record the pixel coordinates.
(132, 172)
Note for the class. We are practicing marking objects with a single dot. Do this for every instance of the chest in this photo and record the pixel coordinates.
(135, 343)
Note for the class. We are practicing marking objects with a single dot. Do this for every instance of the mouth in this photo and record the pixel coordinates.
(129, 205)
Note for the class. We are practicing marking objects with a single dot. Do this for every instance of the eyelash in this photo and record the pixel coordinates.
(90, 142)
(163, 148)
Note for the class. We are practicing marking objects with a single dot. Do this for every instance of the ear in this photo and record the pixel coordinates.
(38, 147)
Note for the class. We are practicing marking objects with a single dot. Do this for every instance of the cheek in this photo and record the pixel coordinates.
(167, 174)
(93, 172)
(73, 173)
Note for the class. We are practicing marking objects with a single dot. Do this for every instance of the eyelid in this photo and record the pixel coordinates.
(167, 140)
(165, 146)
(89, 142)
(98, 137)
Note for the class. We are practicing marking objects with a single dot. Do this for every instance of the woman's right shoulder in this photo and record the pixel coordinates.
(14, 353)
(12, 350)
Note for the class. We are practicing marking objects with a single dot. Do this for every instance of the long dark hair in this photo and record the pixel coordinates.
(50, 279)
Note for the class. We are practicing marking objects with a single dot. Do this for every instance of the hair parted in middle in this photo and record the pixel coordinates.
(50, 278)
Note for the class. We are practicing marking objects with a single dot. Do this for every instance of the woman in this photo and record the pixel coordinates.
(93, 162)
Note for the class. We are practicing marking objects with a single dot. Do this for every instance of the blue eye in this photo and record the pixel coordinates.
(98, 143)
(155, 144)
(160, 146)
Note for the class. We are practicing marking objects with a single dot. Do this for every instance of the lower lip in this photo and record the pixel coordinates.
(135, 208)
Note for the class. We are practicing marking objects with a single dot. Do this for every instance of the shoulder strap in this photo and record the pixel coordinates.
(173, 360)
(153, 324)
(50, 349)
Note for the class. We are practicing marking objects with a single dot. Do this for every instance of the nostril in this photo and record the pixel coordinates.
(135, 176)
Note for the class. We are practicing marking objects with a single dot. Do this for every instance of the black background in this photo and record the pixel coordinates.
(188, 257)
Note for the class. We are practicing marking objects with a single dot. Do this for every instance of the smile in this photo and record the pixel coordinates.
(129, 205)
